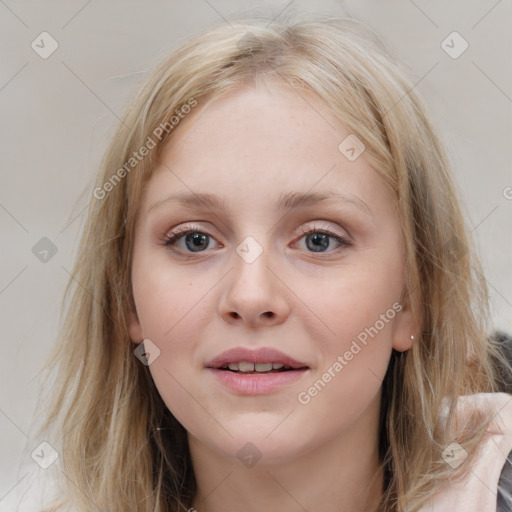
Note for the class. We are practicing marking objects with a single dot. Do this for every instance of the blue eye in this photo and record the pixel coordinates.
(196, 240)
(319, 239)
(199, 240)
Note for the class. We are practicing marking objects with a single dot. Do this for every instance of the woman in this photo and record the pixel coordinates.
(304, 323)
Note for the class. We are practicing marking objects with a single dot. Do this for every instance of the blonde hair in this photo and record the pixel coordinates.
(120, 445)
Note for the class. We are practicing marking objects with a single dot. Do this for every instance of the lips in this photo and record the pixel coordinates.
(256, 372)
(247, 360)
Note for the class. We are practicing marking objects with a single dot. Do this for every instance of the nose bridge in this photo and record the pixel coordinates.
(251, 261)
(253, 291)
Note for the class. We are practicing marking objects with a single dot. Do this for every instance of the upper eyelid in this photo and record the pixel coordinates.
(312, 225)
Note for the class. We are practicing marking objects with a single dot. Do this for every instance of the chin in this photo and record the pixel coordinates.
(253, 448)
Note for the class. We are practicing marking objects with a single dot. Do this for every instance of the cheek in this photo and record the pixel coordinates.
(173, 310)
(357, 312)
(354, 359)
(169, 299)
(358, 299)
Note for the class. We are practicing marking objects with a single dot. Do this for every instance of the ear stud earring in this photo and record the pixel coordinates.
(412, 337)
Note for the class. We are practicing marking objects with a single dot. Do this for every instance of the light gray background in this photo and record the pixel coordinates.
(57, 115)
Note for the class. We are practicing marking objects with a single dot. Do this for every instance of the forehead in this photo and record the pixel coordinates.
(257, 143)
(284, 113)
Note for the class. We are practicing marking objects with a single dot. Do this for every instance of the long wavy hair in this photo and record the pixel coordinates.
(118, 443)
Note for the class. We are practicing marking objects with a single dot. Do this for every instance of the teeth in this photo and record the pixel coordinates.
(263, 367)
(245, 366)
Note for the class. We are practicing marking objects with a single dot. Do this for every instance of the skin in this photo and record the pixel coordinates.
(247, 148)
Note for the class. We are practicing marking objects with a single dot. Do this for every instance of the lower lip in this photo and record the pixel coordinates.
(257, 384)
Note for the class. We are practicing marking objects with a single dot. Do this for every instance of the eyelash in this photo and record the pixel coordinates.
(173, 237)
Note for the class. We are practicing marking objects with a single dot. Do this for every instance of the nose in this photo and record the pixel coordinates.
(254, 293)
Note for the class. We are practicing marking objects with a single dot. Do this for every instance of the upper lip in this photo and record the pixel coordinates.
(260, 355)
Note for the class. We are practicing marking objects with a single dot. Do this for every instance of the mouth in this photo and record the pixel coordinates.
(263, 359)
(247, 367)
(256, 372)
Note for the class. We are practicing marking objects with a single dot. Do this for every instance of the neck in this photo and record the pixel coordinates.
(341, 475)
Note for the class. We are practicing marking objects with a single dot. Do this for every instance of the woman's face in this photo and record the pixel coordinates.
(260, 271)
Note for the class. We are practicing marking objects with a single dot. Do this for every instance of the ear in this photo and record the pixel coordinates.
(134, 327)
(406, 324)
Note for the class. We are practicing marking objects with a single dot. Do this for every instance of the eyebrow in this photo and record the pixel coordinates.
(287, 201)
